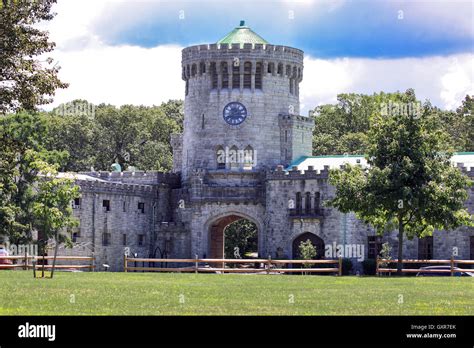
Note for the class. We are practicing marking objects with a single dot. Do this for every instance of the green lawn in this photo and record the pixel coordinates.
(216, 294)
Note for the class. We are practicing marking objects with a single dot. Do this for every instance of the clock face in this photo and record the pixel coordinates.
(234, 113)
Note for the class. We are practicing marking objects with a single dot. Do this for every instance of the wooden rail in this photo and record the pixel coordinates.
(268, 265)
(452, 269)
(27, 262)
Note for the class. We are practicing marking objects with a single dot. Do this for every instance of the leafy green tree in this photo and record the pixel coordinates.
(307, 251)
(52, 209)
(409, 183)
(21, 158)
(25, 82)
(242, 234)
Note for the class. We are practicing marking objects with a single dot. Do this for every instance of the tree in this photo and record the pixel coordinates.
(21, 158)
(409, 182)
(25, 82)
(241, 234)
(307, 251)
(52, 207)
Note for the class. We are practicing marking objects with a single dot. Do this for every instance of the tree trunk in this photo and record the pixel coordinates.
(55, 253)
(400, 245)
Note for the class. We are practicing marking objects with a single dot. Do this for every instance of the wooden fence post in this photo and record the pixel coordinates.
(196, 265)
(92, 264)
(269, 262)
(125, 263)
(340, 266)
(452, 266)
(377, 266)
(26, 260)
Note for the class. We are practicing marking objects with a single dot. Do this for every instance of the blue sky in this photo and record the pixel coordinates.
(129, 52)
(326, 29)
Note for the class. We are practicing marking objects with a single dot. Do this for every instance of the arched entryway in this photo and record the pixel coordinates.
(315, 240)
(217, 232)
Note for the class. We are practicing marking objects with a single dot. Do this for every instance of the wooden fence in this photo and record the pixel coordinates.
(269, 266)
(26, 262)
(380, 268)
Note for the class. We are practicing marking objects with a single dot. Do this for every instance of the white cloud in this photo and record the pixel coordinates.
(134, 75)
(443, 80)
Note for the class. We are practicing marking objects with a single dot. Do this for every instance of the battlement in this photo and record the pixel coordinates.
(294, 174)
(138, 177)
(273, 51)
(289, 120)
(115, 188)
(466, 170)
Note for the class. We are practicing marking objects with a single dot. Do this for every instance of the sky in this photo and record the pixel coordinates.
(129, 52)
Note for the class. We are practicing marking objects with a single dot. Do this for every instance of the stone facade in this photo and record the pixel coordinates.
(182, 214)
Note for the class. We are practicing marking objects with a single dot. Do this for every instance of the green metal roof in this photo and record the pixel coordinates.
(241, 35)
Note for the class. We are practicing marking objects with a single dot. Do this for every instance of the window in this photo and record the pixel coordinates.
(248, 158)
(291, 86)
(106, 205)
(202, 121)
(298, 202)
(425, 248)
(186, 87)
(105, 239)
(75, 235)
(124, 206)
(234, 158)
(225, 75)
(235, 76)
(124, 239)
(280, 69)
(202, 68)
(374, 246)
(286, 136)
(307, 203)
(258, 76)
(317, 202)
(141, 239)
(247, 75)
(213, 71)
(193, 70)
(271, 68)
(76, 204)
(220, 157)
(141, 207)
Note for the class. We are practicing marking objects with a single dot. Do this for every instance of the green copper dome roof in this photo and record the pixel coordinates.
(242, 35)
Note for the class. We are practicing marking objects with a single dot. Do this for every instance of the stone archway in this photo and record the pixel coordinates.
(216, 235)
(315, 240)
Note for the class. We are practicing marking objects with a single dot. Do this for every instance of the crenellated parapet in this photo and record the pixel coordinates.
(245, 66)
(294, 174)
(138, 177)
(469, 171)
(116, 188)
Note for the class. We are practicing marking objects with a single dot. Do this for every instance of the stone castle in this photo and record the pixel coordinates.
(245, 153)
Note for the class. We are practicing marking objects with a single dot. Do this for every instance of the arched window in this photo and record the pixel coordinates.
(220, 157)
(271, 68)
(236, 76)
(225, 75)
(247, 75)
(298, 203)
(317, 202)
(234, 158)
(193, 70)
(202, 68)
(288, 70)
(307, 203)
(291, 86)
(213, 75)
(249, 158)
(258, 76)
(280, 69)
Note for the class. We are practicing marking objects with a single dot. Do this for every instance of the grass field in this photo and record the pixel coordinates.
(215, 294)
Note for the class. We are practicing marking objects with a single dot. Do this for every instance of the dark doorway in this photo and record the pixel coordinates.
(315, 240)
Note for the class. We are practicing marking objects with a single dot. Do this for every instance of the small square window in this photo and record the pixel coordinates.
(106, 205)
(106, 239)
(141, 207)
(141, 239)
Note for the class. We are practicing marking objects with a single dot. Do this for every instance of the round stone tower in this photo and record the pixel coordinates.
(240, 98)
